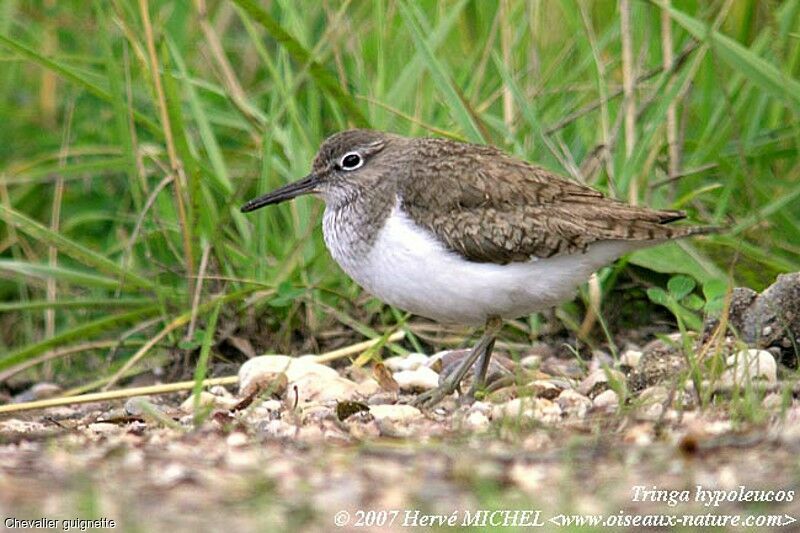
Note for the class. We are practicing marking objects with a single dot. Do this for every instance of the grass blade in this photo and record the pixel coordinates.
(672, 257)
(319, 73)
(60, 273)
(453, 98)
(755, 68)
(83, 303)
(85, 331)
(71, 75)
(71, 248)
(201, 367)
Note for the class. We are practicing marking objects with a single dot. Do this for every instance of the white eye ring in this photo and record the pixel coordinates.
(351, 165)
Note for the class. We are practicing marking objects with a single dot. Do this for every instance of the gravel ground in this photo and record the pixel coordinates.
(632, 442)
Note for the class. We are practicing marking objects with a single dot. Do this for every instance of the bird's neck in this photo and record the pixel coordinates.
(350, 228)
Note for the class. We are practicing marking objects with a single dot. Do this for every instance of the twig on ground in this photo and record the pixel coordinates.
(163, 388)
(356, 348)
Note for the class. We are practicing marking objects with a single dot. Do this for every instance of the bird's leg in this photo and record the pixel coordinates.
(480, 376)
(481, 350)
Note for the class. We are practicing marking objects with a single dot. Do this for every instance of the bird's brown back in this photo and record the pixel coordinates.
(491, 207)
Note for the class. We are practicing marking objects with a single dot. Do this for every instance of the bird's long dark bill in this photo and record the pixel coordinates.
(287, 192)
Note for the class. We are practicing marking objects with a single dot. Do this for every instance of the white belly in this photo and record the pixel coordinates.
(409, 268)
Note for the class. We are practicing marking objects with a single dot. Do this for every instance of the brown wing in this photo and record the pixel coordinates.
(501, 209)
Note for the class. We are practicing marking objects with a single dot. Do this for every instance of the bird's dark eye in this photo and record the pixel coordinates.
(351, 161)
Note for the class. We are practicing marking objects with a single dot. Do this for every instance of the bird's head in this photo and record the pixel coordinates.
(347, 164)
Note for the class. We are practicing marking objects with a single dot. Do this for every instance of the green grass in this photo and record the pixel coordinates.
(144, 134)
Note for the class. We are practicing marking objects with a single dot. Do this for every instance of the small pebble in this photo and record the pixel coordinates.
(390, 427)
(481, 407)
(597, 381)
(266, 410)
(171, 475)
(368, 387)
(409, 362)
(236, 439)
(255, 369)
(546, 388)
(207, 400)
(750, 365)
(396, 412)
(630, 358)
(382, 398)
(313, 388)
(133, 406)
(531, 361)
(654, 394)
(573, 403)
(476, 421)
(538, 409)
(773, 401)
(640, 435)
(277, 429)
(420, 379)
(40, 391)
(606, 401)
(104, 428)
(567, 368)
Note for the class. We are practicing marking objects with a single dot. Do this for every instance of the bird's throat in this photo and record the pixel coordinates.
(351, 228)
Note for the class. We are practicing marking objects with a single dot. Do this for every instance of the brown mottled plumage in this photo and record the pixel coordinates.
(501, 209)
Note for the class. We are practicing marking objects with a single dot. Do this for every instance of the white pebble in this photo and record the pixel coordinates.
(606, 401)
(104, 428)
(208, 400)
(630, 358)
(531, 361)
(409, 362)
(573, 403)
(237, 439)
(749, 365)
(396, 412)
(422, 378)
(311, 388)
(528, 408)
(476, 421)
(294, 368)
(368, 387)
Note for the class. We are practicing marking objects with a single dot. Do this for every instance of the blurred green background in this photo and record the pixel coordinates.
(133, 131)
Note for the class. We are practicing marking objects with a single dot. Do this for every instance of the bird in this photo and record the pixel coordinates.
(465, 233)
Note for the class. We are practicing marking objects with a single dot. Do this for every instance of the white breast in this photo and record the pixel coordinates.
(409, 268)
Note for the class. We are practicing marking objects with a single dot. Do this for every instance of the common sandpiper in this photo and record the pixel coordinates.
(464, 233)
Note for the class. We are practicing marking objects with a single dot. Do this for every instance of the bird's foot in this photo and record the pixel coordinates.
(467, 399)
(476, 392)
(448, 386)
(482, 351)
(432, 397)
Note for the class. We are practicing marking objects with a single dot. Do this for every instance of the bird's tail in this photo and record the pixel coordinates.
(679, 232)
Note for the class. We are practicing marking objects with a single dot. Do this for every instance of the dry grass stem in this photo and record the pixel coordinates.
(673, 164)
(628, 81)
(356, 348)
(175, 162)
(151, 390)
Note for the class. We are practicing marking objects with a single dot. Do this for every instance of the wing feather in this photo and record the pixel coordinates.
(502, 209)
